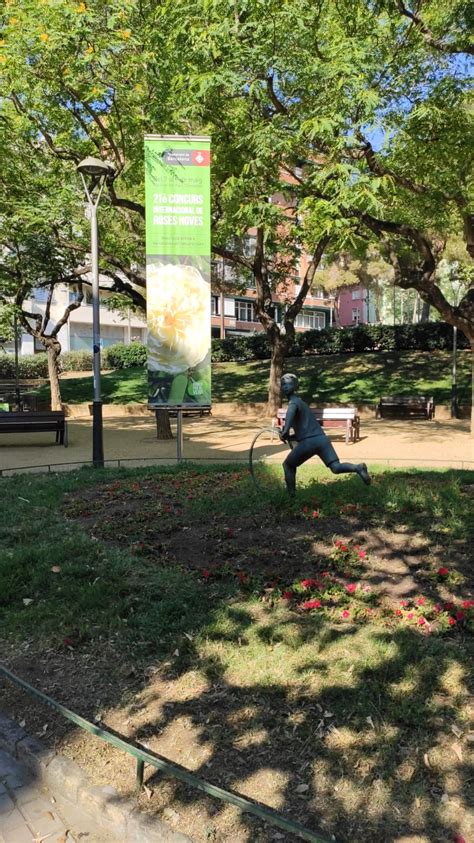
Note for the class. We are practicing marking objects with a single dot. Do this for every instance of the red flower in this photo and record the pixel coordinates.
(287, 595)
(404, 603)
(410, 616)
(345, 614)
(315, 513)
(362, 554)
(309, 583)
(458, 838)
(206, 574)
(420, 601)
(460, 616)
(437, 607)
(305, 509)
(451, 622)
(443, 572)
(421, 621)
(351, 587)
(342, 547)
(399, 612)
(311, 604)
(466, 604)
(326, 574)
(338, 543)
(448, 607)
(242, 576)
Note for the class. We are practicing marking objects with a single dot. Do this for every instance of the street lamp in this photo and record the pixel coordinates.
(97, 172)
(456, 284)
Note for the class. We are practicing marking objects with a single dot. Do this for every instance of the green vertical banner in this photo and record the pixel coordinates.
(178, 270)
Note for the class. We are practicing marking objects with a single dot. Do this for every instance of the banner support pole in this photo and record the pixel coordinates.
(179, 435)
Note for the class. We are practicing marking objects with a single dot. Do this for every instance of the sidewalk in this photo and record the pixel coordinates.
(31, 814)
(227, 436)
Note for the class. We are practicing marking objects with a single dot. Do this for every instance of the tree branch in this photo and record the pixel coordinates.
(277, 104)
(105, 132)
(294, 309)
(69, 309)
(376, 166)
(428, 35)
(65, 155)
(120, 202)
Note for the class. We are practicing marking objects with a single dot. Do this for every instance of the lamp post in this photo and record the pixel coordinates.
(97, 172)
(454, 388)
(17, 379)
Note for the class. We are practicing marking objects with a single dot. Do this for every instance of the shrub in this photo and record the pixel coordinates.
(29, 366)
(124, 356)
(75, 361)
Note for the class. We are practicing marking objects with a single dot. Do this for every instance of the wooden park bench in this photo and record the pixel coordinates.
(330, 417)
(406, 405)
(54, 421)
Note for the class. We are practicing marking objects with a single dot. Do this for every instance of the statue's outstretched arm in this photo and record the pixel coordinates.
(290, 417)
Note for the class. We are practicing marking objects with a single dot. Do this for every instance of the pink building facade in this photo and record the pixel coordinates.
(354, 307)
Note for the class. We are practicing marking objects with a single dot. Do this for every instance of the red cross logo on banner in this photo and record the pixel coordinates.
(201, 157)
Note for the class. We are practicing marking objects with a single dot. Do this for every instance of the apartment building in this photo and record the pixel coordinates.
(355, 306)
(76, 334)
(233, 313)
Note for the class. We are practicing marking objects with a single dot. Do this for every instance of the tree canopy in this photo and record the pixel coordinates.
(355, 114)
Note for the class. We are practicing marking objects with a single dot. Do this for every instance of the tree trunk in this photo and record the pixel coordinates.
(472, 386)
(425, 312)
(163, 427)
(53, 350)
(278, 345)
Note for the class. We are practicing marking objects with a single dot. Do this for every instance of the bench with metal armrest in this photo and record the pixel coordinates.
(406, 405)
(346, 417)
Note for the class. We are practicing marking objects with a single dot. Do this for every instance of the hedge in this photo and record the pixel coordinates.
(29, 366)
(424, 336)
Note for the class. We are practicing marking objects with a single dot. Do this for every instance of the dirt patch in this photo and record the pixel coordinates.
(158, 520)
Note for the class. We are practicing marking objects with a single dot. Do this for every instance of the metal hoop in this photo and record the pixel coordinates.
(251, 459)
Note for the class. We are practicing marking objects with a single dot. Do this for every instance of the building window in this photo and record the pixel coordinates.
(355, 294)
(355, 315)
(311, 319)
(41, 295)
(73, 295)
(244, 311)
(214, 305)
(81, 336)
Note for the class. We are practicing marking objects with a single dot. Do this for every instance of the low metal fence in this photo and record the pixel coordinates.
(143, 462)
(146, 756)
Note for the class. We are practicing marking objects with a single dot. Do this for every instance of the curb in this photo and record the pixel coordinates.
(113, 814)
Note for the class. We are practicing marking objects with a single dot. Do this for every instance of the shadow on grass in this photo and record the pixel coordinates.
(339, 726)
(344, 378)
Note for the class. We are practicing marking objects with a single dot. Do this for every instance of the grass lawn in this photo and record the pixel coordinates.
(313, 655)
(359, 378)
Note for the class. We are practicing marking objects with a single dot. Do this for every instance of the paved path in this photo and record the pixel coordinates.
(441, 443)
(29, 813)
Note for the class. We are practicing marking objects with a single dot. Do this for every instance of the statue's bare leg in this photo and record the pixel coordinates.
(338, 467)
(290, 478)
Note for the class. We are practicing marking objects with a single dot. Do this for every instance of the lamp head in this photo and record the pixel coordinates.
(95, 167)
